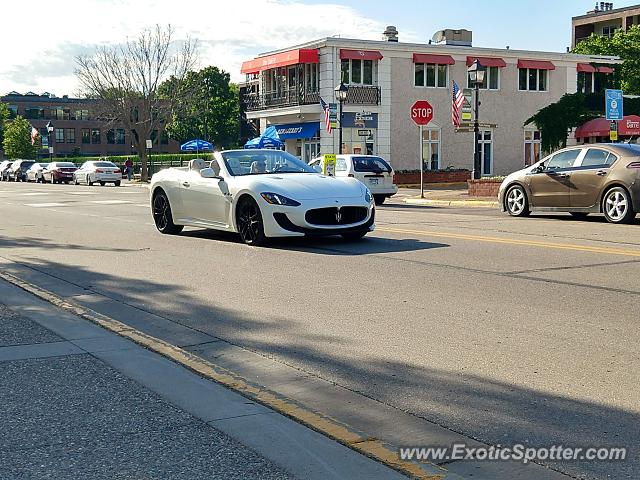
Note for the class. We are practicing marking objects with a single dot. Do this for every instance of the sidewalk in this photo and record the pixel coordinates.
(81, 402)
(447, 196)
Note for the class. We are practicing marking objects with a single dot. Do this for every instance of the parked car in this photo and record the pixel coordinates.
(372, 170)
(58, 172)
(4, 167)
(18, 170)
(101, 172)
(580, 180)
(260, 194)
(34, 174)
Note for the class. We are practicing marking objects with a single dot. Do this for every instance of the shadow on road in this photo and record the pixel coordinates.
(33, 242)
(488, 410)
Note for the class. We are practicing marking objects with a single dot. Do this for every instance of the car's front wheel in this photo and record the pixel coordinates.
(162, 215)
(516, 202)
(379, 199)
(617, 207)
(249, 222)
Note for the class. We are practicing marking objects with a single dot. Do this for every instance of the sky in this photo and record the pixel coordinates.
(41, 40)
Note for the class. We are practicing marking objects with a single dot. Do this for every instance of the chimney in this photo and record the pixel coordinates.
(390, 34)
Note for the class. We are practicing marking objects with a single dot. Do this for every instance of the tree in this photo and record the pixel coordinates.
(4, 116)
(124, 82)
(625, 45)
(17, 139)
(210, 109)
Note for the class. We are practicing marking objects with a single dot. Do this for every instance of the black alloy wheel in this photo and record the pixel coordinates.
(162, 215)
(249, 222)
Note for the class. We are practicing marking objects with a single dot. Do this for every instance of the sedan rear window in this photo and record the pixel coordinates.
(370, 164)
(105, 164)
(64, 164)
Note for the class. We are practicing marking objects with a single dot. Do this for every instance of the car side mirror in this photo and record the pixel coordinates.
(539, 169)
(210, 173)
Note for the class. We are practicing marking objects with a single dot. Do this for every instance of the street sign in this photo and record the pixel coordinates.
(333, 115)
(614, 104)
(613, 131)
(364, 133)
(329, 164)
(480, 124)
(465, 130)
(467, 106)
(149, 144)
(421, 112)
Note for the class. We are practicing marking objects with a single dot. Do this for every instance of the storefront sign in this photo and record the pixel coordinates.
(298, 130)
(360, 120)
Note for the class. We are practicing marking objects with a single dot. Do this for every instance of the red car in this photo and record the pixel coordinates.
(58, 172)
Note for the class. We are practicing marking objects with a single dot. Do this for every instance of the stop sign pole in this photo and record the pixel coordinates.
(421, 113)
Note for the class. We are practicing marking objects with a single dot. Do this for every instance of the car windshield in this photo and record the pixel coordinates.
(104, 164)
(370, 164)
(260, 162)
(26, 164)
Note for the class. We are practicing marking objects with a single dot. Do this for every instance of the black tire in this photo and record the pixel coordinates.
(579, 215)
(355, 235)
(379, 199)
(516, 202)
(162, 215)
(617, 206)
(117, 183)
(102, 184)
(249, 222)
(89, 182)
(75, 181)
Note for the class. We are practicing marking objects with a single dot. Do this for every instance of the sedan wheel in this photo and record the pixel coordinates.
(617, 207)
(516, 202)
(249, 222)
(162, 215)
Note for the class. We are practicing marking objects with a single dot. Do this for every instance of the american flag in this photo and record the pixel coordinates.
(457, 101)
(34, 134)
(327, 113)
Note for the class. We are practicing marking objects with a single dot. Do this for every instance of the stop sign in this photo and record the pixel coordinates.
(421, 112)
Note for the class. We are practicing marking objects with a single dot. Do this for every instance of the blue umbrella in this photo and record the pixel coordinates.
(196, 145)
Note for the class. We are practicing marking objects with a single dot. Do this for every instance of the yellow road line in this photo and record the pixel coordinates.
(513, 241)
(370, 447)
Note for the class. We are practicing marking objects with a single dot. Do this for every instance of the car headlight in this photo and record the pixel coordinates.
(367, 196)
(277, 199)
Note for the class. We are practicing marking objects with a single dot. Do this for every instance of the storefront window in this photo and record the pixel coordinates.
(531, 147)
(359, 141)
(431, 148)
(491, 79)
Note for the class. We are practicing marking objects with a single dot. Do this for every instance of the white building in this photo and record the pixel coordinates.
(386, 77)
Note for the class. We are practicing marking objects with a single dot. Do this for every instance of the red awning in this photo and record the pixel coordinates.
(605, 69)
(292, 57)
(487, 61)
(539, 64)
(429, 58)
(360, 55)
(599, 127)
(586, 67)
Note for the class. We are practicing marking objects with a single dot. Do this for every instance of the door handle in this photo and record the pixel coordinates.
(186, 184)
(602, 173)
(563, 175)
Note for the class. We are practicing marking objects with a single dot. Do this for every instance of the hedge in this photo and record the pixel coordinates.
(155, 163)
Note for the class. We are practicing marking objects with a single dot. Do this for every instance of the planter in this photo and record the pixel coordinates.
(431, 176)
(484, 187)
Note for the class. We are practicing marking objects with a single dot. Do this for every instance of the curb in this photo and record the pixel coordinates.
(341, 433)
(452, 203)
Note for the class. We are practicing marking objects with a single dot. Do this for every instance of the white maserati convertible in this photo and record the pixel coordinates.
(260, 194)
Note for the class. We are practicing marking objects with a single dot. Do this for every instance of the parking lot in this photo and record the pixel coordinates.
(442, 324)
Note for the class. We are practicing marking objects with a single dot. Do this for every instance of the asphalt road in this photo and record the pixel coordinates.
(505, 330)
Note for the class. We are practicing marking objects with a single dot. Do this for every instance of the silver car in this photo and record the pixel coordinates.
(34, 174)
(99, 171)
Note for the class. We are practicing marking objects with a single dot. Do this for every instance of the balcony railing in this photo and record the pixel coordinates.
(357, 95)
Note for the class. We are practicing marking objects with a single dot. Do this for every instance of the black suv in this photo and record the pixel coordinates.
(18, 170)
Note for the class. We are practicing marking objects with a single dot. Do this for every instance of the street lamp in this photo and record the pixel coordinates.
(49, 132)
(341, 95)
(476, 76)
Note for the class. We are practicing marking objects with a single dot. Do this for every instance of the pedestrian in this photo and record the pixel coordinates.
(129, 165)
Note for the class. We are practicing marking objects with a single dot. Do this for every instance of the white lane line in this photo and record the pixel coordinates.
(33, 194)
(143, 205)
(81, 193)
(38, 205)
(110, 202)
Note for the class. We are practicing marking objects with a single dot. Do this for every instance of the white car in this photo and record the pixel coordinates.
(260, 194)
(373, 171)
(34, 174)
(99, 171)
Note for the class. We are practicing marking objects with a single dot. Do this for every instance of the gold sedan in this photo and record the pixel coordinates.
(580, 180)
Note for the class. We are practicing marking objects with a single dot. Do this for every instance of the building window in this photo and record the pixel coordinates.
(531, 147)
(95, 135)
(120, 136)
(59, 135)
(82, 114)
(59, 113)
(486, 151)
(111, 136)
(431, 148)
(164, 137)
(34, 113)
(358, 72)
(154, 137)
(312, 81)
(86, 136)
(491, 79)
(609, 30)
(70, 133)
(430, 75)
(355, 143)
(13, 111)
(532, 79)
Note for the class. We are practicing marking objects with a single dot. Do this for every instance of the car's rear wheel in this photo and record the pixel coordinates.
(516, 202)
(617, 207)
(75, 180)
(117, 183)
(89, 182)
(249, 222)
(162, 215)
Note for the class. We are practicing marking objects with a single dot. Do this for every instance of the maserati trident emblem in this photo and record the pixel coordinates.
(338, 216)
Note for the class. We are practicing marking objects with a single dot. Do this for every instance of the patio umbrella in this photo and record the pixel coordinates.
(196, 145)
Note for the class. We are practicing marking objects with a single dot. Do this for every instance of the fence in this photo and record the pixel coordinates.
(155, 163)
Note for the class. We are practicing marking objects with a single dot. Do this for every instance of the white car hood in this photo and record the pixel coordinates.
(306, 186)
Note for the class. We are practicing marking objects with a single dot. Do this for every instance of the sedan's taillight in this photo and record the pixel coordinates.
(634, 165)
(99, 170)
(117, 171)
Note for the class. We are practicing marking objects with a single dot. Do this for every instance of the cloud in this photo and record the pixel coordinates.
(228, 33)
